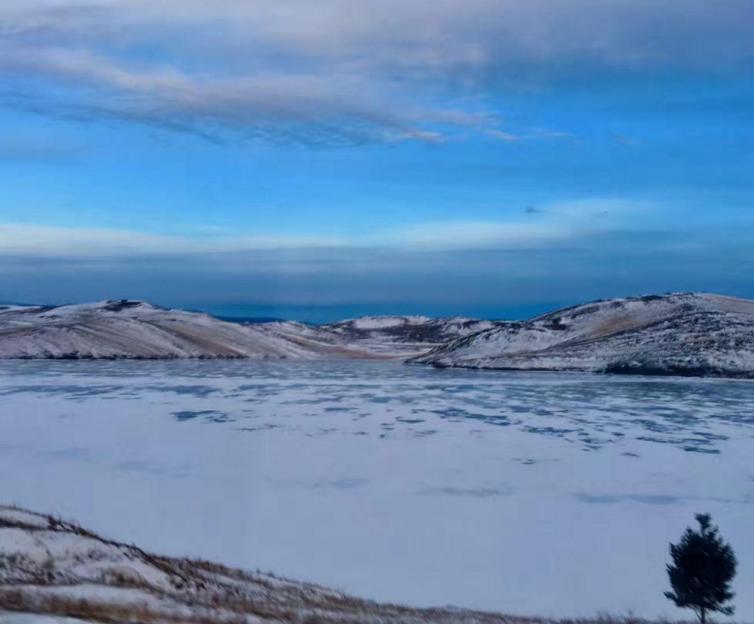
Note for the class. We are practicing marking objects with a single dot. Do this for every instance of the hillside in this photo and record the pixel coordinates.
(135, 329)
(131, 329)
(50, 569)
(397, 337)
(677, 334)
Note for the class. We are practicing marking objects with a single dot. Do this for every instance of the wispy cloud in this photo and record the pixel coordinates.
(305, 108)
(559, 222)
(483, 234)
(535, 134)
(335, 72)
(624, 139)
(47, 241)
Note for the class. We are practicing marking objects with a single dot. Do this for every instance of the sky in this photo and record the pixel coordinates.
(315, 160)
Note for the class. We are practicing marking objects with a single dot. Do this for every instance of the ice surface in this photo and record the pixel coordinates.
(530, 493)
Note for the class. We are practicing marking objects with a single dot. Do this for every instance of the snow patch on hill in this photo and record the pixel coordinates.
(382, 322)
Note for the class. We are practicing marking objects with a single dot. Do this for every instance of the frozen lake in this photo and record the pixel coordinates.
(539, 494)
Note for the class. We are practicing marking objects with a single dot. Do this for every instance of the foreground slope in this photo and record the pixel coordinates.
(51, 568)
(677, 334)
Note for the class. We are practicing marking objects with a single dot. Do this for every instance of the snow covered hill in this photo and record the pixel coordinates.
(677, 334)
(397, 337)
(50, 569)
(134, 329)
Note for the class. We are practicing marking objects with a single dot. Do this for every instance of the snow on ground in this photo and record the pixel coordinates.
(538, 494)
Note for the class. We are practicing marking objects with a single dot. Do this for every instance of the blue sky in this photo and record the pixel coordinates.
(316, 160)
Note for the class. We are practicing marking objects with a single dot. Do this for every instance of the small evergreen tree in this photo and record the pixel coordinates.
(702, 569)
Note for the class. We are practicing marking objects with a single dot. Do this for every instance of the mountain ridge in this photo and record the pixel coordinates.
(699, 334)
(129, 329)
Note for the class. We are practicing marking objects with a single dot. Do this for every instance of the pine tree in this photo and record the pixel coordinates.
(702, 569)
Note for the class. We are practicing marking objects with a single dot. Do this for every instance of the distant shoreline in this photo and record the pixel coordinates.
(682, 334)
